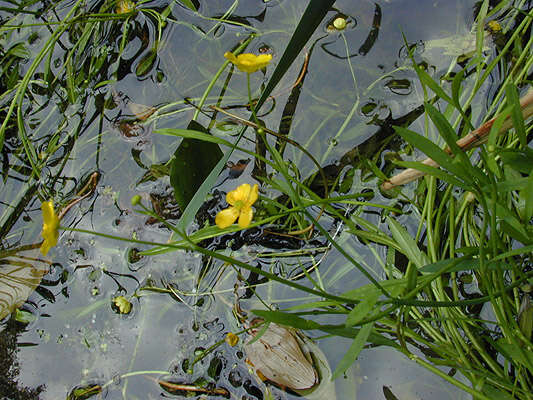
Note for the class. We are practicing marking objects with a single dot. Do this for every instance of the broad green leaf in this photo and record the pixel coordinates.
(394, 286)
(515, 252)
(525, 317)
(494, 393)
(192, 134)
(193, 160)
(287, 319)
(354, 350)
(297, 322)
(495, 128)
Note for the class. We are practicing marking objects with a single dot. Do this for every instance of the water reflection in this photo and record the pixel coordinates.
(185, 305)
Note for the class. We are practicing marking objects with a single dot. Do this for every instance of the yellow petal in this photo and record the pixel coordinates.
(50, 226)
(240, 194)
(252, 196)
(245, 217)
(248, 62)
(226, 217)
(230, 56)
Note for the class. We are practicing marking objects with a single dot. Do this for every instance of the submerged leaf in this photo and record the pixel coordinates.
(193, 160)
(17, 282)
(278, 356)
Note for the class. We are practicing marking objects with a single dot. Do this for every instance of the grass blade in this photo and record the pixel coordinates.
(354, 350)
(311, 19)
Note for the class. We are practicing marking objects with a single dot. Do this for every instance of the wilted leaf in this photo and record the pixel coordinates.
(141, 111)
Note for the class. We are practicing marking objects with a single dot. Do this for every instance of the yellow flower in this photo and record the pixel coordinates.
(241, 200)
(231, 339)
(50, 226)
(494, 26)
(125, 6)
(248, 62)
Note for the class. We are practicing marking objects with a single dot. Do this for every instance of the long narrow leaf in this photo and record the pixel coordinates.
(354, 350)
(511, 95)
(312, 17)
(432, 151)
(407, 244)
(436, 172)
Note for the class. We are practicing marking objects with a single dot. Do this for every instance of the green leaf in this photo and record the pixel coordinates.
(354, 350)
(466, 263)
(520, 160)
(360, 311)
(516, 354)
(147, 63)
(436, 172)
(297, 322)
(193, 160)
(527, 195)
(449, 135)
(511, 95)
(312, 17)
(433, 151)
(190, 4)
(407, 244)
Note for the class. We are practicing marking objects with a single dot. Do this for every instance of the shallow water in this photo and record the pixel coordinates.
(76, 338)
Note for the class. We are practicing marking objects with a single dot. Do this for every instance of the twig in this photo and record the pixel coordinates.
(473, 139)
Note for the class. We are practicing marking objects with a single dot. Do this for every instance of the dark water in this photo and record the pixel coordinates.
(75, 337)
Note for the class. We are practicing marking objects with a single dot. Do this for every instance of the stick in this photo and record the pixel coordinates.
(473, 139)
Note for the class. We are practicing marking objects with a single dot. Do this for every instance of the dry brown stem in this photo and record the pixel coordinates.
(473, 139)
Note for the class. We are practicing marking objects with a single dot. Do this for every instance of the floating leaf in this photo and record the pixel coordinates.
(122, 304)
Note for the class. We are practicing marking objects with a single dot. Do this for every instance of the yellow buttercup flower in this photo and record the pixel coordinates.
(494, 26)
(241, 200)
(50, 226)
(248, 62)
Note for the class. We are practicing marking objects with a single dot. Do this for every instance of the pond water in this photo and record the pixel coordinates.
(94, 112)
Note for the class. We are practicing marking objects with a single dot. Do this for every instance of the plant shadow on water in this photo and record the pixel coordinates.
(98, 98)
